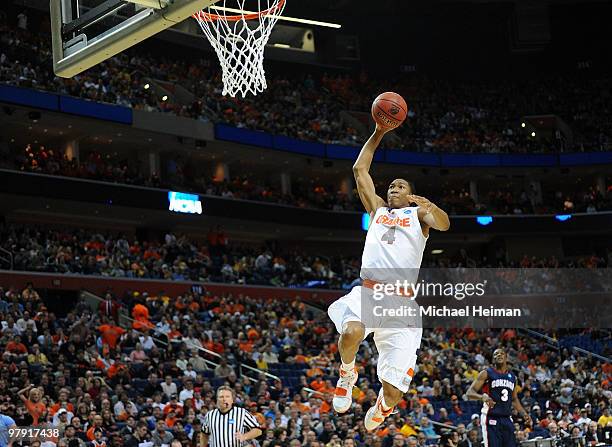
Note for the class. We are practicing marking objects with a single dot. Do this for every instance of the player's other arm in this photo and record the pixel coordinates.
(361, 171)
(473, 392)
(516, 403)
(430, 214)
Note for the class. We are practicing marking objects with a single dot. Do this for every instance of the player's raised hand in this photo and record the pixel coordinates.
(382, 129)
(421, 201)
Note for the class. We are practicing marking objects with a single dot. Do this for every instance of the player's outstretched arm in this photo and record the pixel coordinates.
(473, 392)
(361, 171)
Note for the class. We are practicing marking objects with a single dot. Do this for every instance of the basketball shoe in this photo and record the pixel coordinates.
(343, 395)
(376, 415)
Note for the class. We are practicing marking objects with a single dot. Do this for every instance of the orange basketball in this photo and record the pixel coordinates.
(389, 110)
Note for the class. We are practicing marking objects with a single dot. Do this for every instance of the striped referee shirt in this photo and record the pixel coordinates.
(221, 428)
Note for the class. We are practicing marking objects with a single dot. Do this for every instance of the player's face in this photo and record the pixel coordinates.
(398, 194)
(499, 357)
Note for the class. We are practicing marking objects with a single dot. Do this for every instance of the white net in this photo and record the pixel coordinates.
(239, 37)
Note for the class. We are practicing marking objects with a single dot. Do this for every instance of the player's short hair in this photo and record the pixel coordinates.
(412, 187)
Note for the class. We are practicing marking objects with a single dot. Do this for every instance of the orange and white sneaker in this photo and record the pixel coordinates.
(376, 415)
(343, 395)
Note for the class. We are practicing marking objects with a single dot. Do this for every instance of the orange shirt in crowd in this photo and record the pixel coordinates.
(142, 325)
(90, 433)
(312, 372)
(140, 312)
(215, 347)
(111, 334)
(237, 308)
(194, 306)
(382, 433)
(325, 408)
(178, 409)
(301, 407)
(170, 422)
(114, 369)
(317, 385)
(16, 348)
(173, 334)
(252, 334)
(260, 418)
(36, 410)
(319, 330)
(246, 346)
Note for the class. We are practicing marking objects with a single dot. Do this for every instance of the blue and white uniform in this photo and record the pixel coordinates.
(496, 422)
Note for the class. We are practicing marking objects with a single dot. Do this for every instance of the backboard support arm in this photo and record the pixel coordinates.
(73, 56)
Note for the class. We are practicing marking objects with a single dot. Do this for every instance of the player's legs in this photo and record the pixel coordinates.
(348, 345)
(345, 313)
(391, 394)
(508, 435)
(491, 433)
(396, 362)
(352, 335)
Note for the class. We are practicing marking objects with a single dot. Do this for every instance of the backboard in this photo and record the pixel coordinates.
(86, 32)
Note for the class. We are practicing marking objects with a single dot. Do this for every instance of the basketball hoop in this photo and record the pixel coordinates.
(239, 41)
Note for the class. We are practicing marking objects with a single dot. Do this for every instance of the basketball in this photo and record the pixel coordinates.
(389, 110)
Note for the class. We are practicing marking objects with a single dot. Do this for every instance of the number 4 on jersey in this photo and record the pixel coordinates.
(389, 236)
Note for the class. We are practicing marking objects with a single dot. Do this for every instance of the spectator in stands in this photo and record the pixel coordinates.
(223, 370)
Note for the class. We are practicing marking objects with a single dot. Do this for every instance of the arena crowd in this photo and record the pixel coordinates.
(447, 116)
(154, 378)
(94, 165)
(179, 257)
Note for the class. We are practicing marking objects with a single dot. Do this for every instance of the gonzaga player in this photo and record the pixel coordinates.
(393, 252)
(499, 396)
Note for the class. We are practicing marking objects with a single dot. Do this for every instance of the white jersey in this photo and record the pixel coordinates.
(394, 246)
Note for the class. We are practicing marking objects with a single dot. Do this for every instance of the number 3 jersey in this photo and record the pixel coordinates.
(394, 246)
(499, 386)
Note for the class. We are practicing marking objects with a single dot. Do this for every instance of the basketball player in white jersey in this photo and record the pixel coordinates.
(394, 248)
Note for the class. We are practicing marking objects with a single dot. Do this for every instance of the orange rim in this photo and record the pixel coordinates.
(209, 17)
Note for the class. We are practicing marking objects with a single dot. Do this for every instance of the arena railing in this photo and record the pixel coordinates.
(591, 354)
(555, 344)
(7, 258)
(535, 334)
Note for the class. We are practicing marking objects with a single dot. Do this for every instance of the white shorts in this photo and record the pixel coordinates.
(396, 347)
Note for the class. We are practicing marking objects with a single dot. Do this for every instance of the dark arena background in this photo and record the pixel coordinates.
(159, 240)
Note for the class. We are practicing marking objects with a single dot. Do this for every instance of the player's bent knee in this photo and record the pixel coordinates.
(392, 394)
(354, 331)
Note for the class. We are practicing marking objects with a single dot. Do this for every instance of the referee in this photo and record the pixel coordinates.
(226, 425)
